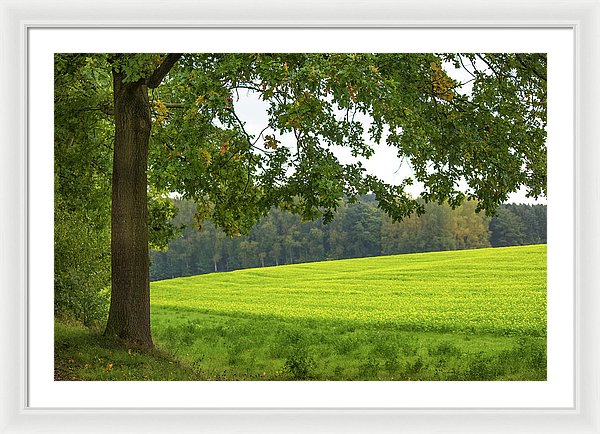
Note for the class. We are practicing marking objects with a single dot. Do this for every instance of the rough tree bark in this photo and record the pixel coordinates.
(129, 313)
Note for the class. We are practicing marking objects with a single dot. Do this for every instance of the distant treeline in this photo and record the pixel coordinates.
(358, 230)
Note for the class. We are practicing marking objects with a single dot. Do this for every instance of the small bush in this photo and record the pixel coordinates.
(81, 267)
(369, 369)
(345, 345)
(415, 367)
(446, 349)
(481, 368)
(299, 363)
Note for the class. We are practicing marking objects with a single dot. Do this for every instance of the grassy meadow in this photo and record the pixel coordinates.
(460, 315)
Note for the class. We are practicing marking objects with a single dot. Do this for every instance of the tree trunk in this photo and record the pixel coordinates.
(129, 314)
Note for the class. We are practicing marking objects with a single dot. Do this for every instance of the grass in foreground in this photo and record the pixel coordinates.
(81, 353)
(221, 347)
(468, 315)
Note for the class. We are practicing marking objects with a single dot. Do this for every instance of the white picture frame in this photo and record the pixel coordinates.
(15, 20)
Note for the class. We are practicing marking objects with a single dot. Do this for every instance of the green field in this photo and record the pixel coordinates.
(461, 315)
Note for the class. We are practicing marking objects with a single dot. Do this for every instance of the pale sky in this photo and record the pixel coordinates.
(384, 163)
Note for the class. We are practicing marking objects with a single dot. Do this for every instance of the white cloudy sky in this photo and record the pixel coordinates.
(384, 163)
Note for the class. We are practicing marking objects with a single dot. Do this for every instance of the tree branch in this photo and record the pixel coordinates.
(484, 60)
(108, 109)
(164, 68)
(174, 105)
(530, 68)
(241, 125)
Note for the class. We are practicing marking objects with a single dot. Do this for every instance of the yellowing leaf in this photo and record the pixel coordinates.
(270, 142)
(161, 111)
(200, 100)
(205, 157)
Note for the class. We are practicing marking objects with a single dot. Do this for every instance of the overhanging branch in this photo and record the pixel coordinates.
(164, 68)
(109, 110)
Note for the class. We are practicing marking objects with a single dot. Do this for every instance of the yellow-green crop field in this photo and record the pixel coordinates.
(487, 290)
(460, 315)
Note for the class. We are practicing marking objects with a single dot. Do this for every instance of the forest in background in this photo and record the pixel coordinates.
(359, 229)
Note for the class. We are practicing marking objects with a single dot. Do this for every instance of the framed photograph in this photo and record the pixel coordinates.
(33, 398)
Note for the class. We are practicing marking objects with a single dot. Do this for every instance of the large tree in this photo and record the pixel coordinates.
(177, 129)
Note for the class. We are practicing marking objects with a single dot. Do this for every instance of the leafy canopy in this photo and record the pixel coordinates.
(490, 138)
